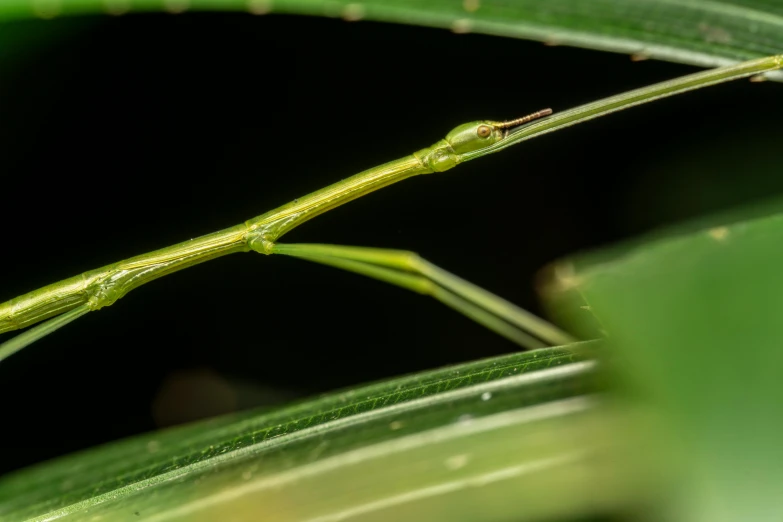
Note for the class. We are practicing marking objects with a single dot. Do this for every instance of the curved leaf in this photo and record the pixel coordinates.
(699, 32)
(482, 410)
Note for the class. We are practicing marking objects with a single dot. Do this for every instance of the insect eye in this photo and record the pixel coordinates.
(483, 131)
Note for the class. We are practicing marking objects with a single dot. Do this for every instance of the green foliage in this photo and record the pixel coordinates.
(699, 32)
(292, 460)
(692, 320)
(694, 325)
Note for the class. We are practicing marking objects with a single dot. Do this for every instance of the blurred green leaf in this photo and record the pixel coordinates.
(694, 324)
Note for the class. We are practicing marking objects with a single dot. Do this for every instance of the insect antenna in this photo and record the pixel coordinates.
(525, 119)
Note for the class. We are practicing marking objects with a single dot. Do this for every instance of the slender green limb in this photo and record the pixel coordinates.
(27, 337)
(542, 329)
(409, 270)
(420, 284)
(488, 320)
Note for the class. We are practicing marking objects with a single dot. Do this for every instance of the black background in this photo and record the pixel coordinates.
(122, 135)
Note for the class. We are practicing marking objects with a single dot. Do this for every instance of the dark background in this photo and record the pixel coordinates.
(122, 135)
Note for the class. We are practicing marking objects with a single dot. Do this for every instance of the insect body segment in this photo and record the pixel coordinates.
(47, 302)
(102, 287)
(469, 137)
(474, 136)
(67, 300)
(447, 153)
(93, 290)
(438, 158)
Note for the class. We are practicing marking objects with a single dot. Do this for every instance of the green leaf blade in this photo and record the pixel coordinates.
(699, 32)
(106, 479)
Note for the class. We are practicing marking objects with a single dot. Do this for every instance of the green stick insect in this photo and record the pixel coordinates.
(60, 303)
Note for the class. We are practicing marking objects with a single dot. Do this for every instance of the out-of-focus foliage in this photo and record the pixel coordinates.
(695, 334)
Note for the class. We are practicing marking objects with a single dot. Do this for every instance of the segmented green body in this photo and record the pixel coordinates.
(104, 286)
